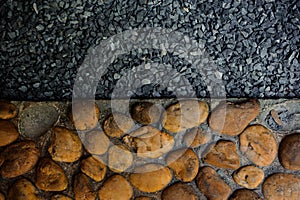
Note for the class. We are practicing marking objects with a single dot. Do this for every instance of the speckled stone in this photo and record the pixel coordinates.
(196, 137)
(249, 176)
(83, 189)
(7, 110)
(145, 113)
(23, 189)
(179, 191)
(289, 152)
(117, 124)
(244, 194)
(8, 133)
(94, 167)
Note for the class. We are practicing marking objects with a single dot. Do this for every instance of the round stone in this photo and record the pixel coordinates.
(244, 194)
(259, 145)
(96, 142)
(185, 164)
(83, 189)
(18, 159)
(60, 197)
(119, 158)
(145, 113)
(249, 176)
(196, 137)
(184, 115)
(281, 186)
(50, 176)
(232, 118)
(150, 177)
(113, 187)
(7, 110)
(8, 133)
(179, 191)
(23, 189)
(117, 124)
(289, 149)
(93, 167)
(65, 145)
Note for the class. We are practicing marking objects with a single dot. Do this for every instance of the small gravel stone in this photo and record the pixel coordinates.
(281, 186)
(289, 149)
(50, 176)
(249, 176)
(184, 115)
(23, 189)
(259, 145)
(65, 145)
(196, 137)
(18, 159)
(113, 187)
(223, 154)
(150, 177)
(94, 167)
(8, 133)
(60, 197)
(212, 185)
(119, 158)
(185, 164)
(244, 194)
(83, 189)
(232, 118)
(145, 113)
(7, 110)
(179, 191)
(96, 142)
(117, 124)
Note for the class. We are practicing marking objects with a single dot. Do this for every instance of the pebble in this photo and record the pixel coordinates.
(212, 185)
(2, 197)
(179, 191)
(145, 113)
(249, 176)
(50, 176)
(259, 145)
(23, 189)
(143, 198)
(184, 163)
(232, 118)
(244, 194)
(223, 154)
(289, 149)
(65, 145)
(149, 142)
(95, 142)
(18, 159)
(7, 110)
(94, 167)
(196, 137)
(184, 115)
(8, 133)
(119, 158)
(60, 197)
(281, 186)
(83, 189)
(117, 124)
(113, 187)
(150, 177)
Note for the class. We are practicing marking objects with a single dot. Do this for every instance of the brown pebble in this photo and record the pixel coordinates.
(83, 189)
(115, 187)
(119, 158)
(150, 177)
(281, 186)
(184, 163)
(212, 185)
(249, 176)
(2, 197)
(184, 115)
(8, 133)
(93, 167)
(7, 110)
(244, 194)
(289, 152)
(23, 189)
(223, 154)
(149, 142)
(50, 176)
(179, 191)
(232, 118)
(145, 113)
(60, 197)
(276, 117)
(196, 137)
(96, 142)
(259, 145)
(18, 159)
(143, 198)
(117, 124)
(65, 145)
(84, 115)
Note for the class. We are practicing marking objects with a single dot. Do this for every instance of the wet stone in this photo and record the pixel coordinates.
(60, 197)
(8, 133)
(289, 152)
(179, 191)
(93, 167)
(244, 194)
(196, 137)
(96, 142)
(83, 189)
(119, 158)
(249, 176)
(23, 189)
(117, 124)
(145, 113)
(7, 110)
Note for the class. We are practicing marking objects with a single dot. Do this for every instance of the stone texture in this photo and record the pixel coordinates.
(145, 113)
(289, 152)
(184, 163)
(117, 124)
(65, 145)
(259, 145)
(8, 133)
(113, 187)
(149, 142)
(119, 158)
(96, 142)
(184, 115)
(232, 118)
(179, 191)
(7, 110)
(223, 154)
(50, 176)
(94, 167)
(249, 176)
(244, 194)
(83, 189)
(150, 177)
(212, 185)
(196, 137)
(60, 197)
(18, 159)
(281, 186)
(23, 189)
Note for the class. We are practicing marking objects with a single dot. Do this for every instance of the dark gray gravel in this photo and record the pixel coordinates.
(255, 45)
